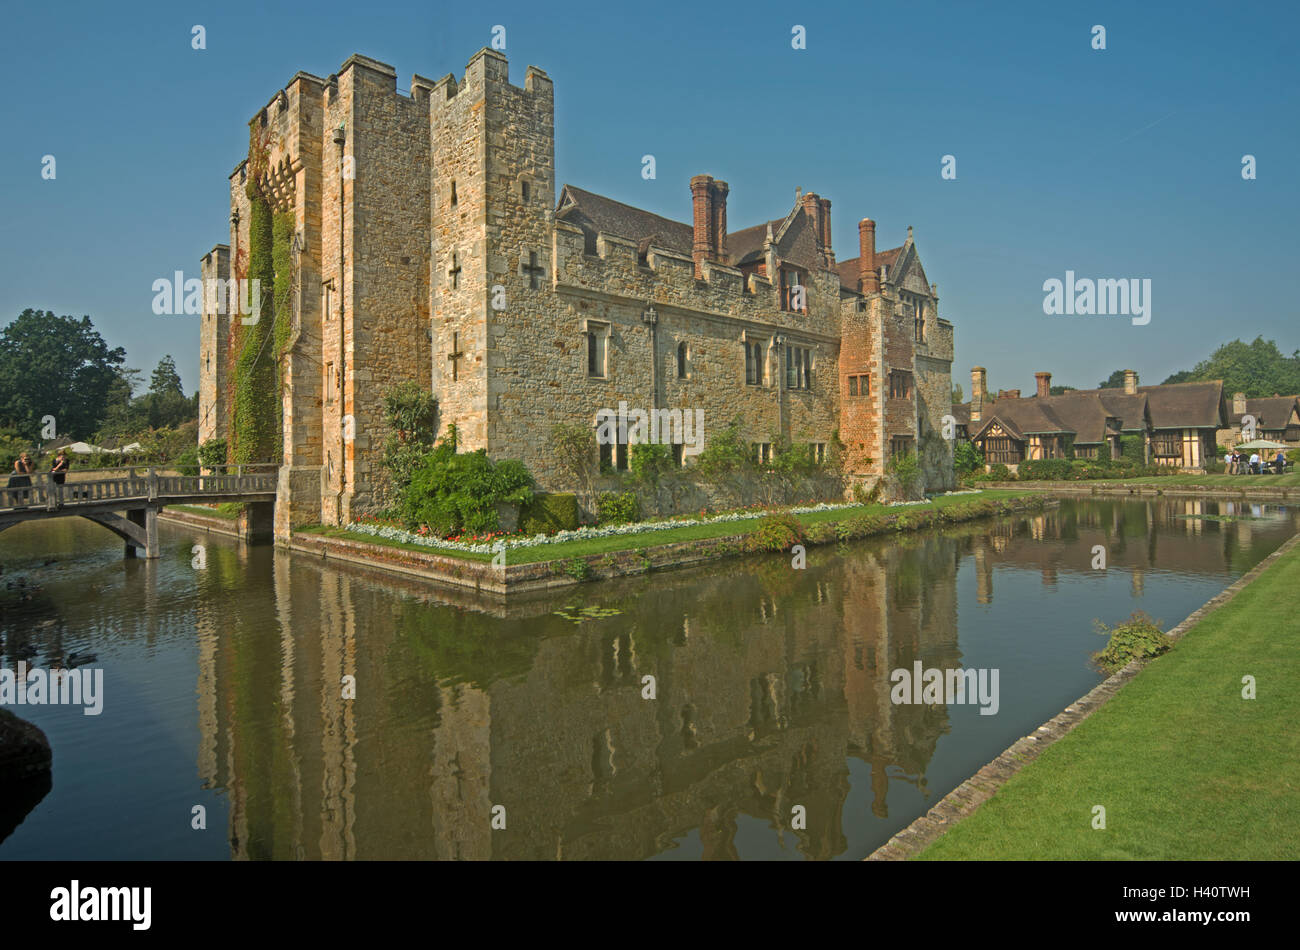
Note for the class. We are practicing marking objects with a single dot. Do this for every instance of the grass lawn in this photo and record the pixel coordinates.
(1241, 482)
(229, 511)
(639, 542)
(1186, 768)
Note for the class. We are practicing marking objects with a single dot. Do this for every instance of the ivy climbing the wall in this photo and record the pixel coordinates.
(257, 428)
(255, 421)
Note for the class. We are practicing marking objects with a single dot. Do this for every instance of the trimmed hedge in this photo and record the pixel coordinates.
(618, 507)
(549, 512)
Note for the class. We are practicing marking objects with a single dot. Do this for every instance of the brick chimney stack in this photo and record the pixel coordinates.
(868, 276)
(826, 232)
(1130, 382)
(709, 203)
(1044, 384)
(815, 211)
(1238, 406)
(978, 386)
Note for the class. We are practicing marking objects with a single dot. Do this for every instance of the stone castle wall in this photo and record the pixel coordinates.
(439, 260)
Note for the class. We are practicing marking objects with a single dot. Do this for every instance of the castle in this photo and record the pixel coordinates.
(429, 243)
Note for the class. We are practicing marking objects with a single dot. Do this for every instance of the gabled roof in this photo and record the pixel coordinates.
(597, 213)
(1083, 415)
(1272, 412)
(1185, 405)
(849, 276)
(746, 246)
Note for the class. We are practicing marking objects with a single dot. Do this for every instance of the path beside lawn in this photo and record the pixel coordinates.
(1186, 768)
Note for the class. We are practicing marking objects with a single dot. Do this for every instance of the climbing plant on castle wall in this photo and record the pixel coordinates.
(257, 428)
(256, 404)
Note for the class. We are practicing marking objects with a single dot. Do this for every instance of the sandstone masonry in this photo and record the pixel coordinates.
(431, 245)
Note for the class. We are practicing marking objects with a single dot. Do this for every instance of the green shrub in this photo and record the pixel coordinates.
(548, 513)
(212, 453)
(618, 507)
(1046, 469)
(1000, 473)
(967, 458)
(578, 568)
(904, 471)
(1137, 638)
(454, 492)
(823, 532)
(775, 533)
(867, 497)
(649, 462)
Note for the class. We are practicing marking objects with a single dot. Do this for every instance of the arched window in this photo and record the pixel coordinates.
(681, 360)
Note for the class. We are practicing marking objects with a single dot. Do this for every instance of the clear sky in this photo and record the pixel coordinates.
(1116, 163)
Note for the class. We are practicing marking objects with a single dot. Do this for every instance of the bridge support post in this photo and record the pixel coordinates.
(146, 519)
(257, 522)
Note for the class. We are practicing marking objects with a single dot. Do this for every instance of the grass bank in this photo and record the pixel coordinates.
(639, 542)
(1237, 482)
(1186, 768)
(229, 511)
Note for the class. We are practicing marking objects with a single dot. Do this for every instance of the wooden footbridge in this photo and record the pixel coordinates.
(128, 503)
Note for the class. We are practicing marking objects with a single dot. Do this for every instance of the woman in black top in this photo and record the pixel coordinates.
(22, 478)
(60, 469)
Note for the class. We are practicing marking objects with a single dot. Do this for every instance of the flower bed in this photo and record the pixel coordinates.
(488, 544)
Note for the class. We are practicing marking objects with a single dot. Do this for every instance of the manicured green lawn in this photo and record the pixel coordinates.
(1242, 482)
(639, 542)
(1186, 768)
(229, 511)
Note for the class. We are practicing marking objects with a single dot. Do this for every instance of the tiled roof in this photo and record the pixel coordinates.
(1185, 405)
(849, 269)
(1271, 412)
(746, 245)
(597, 213)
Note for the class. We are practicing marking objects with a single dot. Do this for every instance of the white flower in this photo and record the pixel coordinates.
(593, 531)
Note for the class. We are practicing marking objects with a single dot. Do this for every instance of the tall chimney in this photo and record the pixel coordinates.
(1238, 405)
(720, 191)
(704, 221)
(1130, 382)
(826, 232)
(812, 209)
(978, 381)
(868, 276)
(1044, 384)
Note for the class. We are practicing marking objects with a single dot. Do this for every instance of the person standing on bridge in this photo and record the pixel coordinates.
(22, 478)
(59, 472)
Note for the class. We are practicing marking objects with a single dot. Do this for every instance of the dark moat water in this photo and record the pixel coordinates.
(224, 688)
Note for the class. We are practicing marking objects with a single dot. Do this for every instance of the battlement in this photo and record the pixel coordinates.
(488, 66)
(665, 276)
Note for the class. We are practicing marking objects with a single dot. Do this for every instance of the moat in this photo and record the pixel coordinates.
(224, 686)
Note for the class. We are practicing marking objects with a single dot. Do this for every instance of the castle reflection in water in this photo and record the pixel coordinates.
(770, 683)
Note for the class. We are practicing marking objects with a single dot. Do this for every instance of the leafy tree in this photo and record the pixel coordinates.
(57, 366)
(166, 381)
(1114, 381)
(957, 396)
(1257, 369)
(1061, 390)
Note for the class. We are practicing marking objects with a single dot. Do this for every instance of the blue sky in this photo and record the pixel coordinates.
(1122, 163)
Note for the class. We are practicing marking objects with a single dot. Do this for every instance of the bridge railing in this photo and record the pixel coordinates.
(136, 485)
